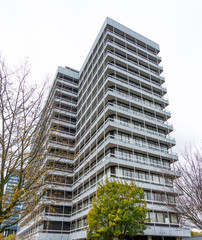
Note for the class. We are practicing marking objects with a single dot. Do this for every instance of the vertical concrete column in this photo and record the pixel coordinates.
(149, 237)
(178, 238)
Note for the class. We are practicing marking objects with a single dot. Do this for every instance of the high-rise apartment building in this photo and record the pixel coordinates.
(108, 119)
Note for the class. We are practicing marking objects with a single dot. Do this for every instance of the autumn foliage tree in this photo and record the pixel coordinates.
(22, 137)
(119, 209)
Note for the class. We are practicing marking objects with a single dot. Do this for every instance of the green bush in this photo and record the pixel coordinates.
(11, 237)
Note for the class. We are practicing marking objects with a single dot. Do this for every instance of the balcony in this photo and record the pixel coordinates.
(61, 145)
(155, 108)
(142, 102)
(129, 127)
(127, 111)
(98, 75)
(134, 43)
(132, 63)
(63, 111)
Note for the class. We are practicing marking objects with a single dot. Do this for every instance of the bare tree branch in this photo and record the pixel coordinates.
(23, 133)
(189, 204)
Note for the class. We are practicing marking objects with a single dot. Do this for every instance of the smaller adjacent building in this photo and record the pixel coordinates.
(192, 238)
(13, 181)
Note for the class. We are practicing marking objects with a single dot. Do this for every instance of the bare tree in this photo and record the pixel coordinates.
(189, 204)
(23, 131)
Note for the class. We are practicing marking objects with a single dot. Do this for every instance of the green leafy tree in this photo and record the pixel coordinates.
(119, 209)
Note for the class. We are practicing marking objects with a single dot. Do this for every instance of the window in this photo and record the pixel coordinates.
(166, 218)
(66, 226)
(86, 185)
(85, 221)
(157, 197)
(149, 196)
(85, 203)
(171, 199)
(169, 180)
(56, 209)
(160, 217)
(79, 223)
(126, 172)
(79, 206)
(100, 176)
(55, 225)
(155, 178)
(173, 218)
(67, 210)
(142, 175)
(73, 225)
(147, 176)
(152, 216)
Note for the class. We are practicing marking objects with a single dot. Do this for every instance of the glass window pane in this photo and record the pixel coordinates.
(149, 195)
(166, 218)
(171, 199)
(156, 178)
(152, 216)
(160, 217)
(173, 218)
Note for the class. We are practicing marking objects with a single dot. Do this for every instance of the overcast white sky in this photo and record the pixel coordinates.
(61, 32)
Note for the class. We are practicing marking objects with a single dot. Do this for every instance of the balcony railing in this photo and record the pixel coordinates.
(133, 62)
(143, 129)
(128, 110)
(119, 79)
(130, 125)
(150, 104)
(98, 75)
(66, 80)
(134, 43)
(136, 159)
(145, 146)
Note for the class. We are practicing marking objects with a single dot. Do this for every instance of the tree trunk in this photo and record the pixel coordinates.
(121, 237)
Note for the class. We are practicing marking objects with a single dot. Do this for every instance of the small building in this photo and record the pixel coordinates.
(13, 181)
